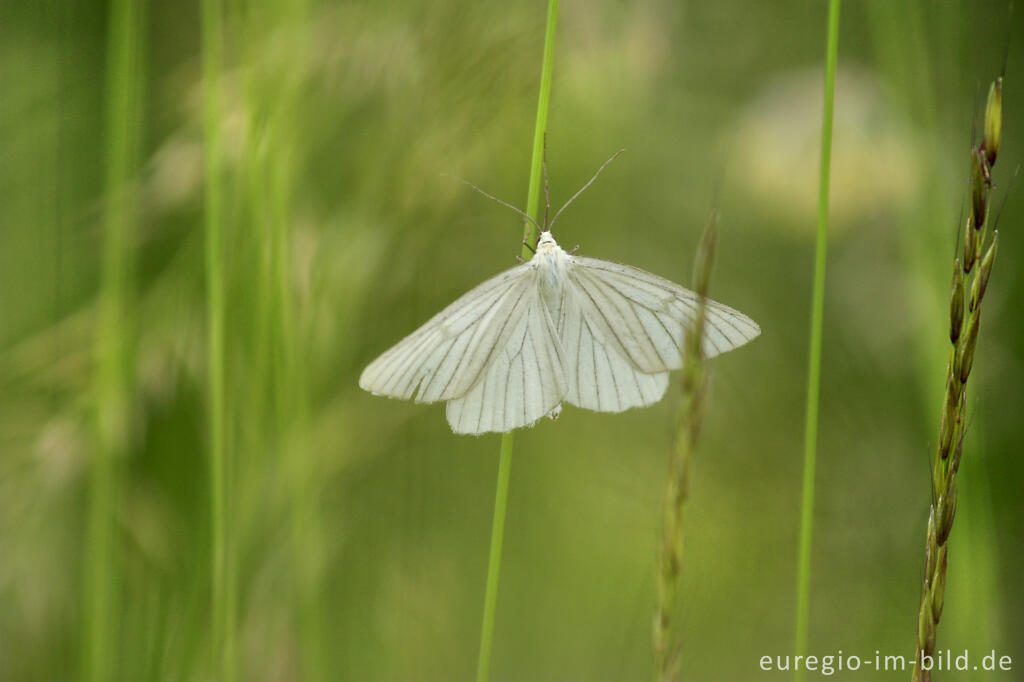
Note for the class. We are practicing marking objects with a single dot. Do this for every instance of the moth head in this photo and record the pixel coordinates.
(545, 238)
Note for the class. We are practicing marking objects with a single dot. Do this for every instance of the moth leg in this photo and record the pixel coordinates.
(527, 245)
(574, 249)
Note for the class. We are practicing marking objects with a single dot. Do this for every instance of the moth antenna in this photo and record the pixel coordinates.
(584, 187)
(494, 198)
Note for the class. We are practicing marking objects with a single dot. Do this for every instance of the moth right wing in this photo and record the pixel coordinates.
(645, 318)
(597, 375)
(523, 382)
(623, 329)
(447, 356)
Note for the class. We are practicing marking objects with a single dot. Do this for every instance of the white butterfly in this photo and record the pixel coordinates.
(558, 328)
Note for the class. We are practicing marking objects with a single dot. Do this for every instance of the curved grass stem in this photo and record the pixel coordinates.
(508, 439)
(814, 354)
(494, 561)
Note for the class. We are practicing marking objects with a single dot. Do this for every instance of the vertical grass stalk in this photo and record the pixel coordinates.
(494, 560)
(101, 599)
(508, 439)
(284, 153)
(667, 657)
(222, 638)
(971, 272)
(278, 392)
(803, 584)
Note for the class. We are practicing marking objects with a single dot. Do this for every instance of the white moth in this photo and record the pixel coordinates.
(557, 328)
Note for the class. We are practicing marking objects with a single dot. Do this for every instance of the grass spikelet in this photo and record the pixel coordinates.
(667, 648)
(971, 274)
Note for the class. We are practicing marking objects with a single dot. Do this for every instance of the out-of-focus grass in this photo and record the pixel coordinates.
(223, 546)
(114, 338)
(387, 509)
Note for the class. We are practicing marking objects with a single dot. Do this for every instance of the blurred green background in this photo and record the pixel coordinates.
(359, 526)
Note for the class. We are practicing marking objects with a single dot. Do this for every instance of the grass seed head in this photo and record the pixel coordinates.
(938, 590)
(947, 511)
(981, 281)
(979, 188)
(993, 121)
(970, 250)
(969, 345)
(956, 303)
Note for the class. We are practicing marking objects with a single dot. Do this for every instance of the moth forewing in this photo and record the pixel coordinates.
(437, 360)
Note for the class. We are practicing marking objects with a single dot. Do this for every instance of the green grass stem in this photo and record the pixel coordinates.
(508, 439)
(494, 560)
(541, 126)
(222, 622)
(803, 585)
(112, 379)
